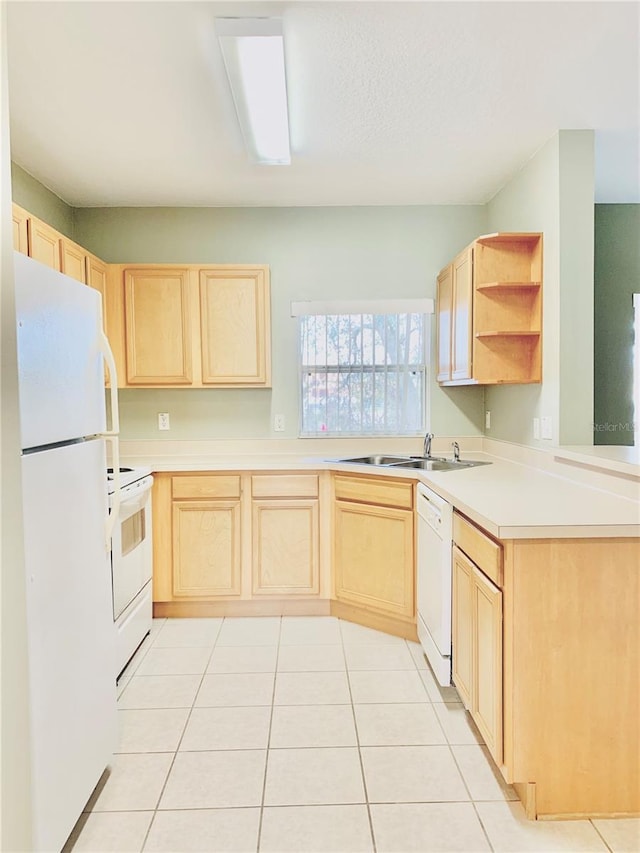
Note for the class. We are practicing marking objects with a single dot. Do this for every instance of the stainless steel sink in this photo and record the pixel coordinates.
(439, 464)
(377, 460)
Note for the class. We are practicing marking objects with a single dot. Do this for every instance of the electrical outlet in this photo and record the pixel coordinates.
(278, 423)
(536, 427)
(163, 420)
(487, 420)
(546, 428)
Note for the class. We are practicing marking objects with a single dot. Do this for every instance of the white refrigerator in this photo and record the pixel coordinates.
(71, 636)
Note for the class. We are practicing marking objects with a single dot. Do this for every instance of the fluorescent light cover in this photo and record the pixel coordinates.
(253, 53)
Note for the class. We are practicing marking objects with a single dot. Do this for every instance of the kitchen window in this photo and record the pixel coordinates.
(363, 367)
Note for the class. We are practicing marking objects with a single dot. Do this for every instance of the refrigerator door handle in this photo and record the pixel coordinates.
(113, 385)
(111, 436)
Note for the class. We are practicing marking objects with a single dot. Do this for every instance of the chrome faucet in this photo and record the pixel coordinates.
(427, 445)
(456, 451)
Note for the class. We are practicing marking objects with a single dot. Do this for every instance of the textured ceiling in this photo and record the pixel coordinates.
(126, 103)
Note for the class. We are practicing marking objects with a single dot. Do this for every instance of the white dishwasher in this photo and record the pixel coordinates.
(435, 533)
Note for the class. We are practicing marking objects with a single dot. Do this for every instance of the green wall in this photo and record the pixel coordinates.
(37, 199)
(553, 193)
(617, 277)
(313, 253)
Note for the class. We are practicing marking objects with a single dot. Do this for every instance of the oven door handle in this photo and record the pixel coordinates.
(114, 512)
(133, 504)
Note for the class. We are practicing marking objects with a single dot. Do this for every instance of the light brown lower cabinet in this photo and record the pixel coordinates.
(477, 649)
(285, 537)
(374, 558)
(206, 548)
(227, 543)
(546, 656)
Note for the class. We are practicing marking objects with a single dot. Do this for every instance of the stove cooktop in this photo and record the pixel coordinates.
(127, 476)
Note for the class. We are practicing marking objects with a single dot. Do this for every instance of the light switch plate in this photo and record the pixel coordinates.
(487, 420)
(546, 428)
(536, 427)
(163, 420)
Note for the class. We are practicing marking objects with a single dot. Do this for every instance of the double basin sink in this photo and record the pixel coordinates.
(424, 463)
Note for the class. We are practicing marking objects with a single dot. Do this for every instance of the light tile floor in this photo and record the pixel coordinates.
(305, 734)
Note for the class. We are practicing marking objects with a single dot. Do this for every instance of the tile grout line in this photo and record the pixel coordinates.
(604, 840)
(355, 726)
(457, 766)
(266, 758)
(175, 754)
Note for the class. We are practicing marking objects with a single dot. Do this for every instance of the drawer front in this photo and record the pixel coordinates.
(205, 486)
(375, 490)
(284, 486)
(482, 550)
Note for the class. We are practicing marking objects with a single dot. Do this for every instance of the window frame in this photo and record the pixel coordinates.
(372, 307)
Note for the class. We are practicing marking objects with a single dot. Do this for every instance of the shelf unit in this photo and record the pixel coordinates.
(507, 308)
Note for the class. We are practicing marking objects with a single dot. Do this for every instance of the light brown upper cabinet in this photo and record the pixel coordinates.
(443, 328)
(191, 326)
(157, 309)
(489, 312)
(234, 326)
(96, 277)
(20, 230)
(44, 243)
(73, 260)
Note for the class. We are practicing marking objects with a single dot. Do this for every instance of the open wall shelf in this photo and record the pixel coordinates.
(489, 312)
(509, 285)
(520, 334)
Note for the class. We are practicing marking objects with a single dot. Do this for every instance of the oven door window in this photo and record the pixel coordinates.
(132, 532)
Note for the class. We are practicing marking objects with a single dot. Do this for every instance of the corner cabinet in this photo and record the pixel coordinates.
(374, 559)
(489, 312)
(191, 326)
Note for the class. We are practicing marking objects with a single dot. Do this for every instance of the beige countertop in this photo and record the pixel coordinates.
(625, 460)
(508, 499)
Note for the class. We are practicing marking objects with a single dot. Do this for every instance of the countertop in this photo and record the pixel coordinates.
(508, 499)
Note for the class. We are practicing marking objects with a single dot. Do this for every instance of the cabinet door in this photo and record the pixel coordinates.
(487, 699)
(44, 243)
(96, 277)
(373, 559)
(285, 547)
(235, 326)
(158, 327)
(462, 315)
(462, 627)
(443, 323)
(206, 548)
(72, 260)
(20, 230)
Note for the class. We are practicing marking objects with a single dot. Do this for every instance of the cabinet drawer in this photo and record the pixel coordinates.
(484, 552)
(375, 490)
(284, 486)
(206, 486)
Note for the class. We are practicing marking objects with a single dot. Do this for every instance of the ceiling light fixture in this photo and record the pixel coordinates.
(253, 53)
